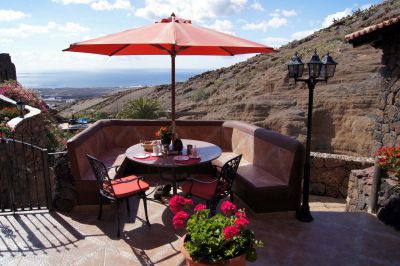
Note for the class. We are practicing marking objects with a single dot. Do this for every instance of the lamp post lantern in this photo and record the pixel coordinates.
(317, 71)
(21, 107)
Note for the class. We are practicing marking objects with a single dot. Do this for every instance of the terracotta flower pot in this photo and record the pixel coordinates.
(237, 261)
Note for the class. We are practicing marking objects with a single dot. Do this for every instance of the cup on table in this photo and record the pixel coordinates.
(156, 149)
(194, 152)
(189, 149)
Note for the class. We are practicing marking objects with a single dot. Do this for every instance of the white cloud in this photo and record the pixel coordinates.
(67, 2)
(289, 13)
(225, 26)
(10, 15)
(301, 34)
(366, 6)
(25, 30)
(194, 10)
(106, 5)
(338, 15)
(99, 4)
(257, 6)
(283, 13)
(276, 41)
(274, 22)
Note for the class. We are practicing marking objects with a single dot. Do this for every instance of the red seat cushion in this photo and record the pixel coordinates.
(123, 190)
(204, 191)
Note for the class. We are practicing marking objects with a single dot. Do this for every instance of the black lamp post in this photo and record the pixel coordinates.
(21, 107)
(317, 71)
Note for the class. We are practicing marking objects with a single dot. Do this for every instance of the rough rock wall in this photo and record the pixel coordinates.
(359, 193)
(387, 130)
(7, 68)
(330, 173)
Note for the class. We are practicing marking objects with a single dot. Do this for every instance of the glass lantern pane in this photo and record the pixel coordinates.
(301, 69)
(330, 70)
(314, 70)
(293, 69)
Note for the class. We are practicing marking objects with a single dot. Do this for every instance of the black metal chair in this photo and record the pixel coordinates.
(213, 189)
(117, 190)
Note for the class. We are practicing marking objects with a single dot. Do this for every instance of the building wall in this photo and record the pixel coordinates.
(387, 129)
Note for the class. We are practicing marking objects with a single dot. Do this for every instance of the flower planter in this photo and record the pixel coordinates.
(237, 261)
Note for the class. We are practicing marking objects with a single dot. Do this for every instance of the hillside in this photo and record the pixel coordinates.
(259, 91)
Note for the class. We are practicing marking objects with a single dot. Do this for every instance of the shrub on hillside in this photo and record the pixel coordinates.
(15, 91)
(200, 94)
(141, 108)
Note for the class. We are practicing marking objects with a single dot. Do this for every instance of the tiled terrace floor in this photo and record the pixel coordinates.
(334, 238)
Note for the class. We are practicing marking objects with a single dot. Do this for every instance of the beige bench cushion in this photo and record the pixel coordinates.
(252, 174)
(110, 158)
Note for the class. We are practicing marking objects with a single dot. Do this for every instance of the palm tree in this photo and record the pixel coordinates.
(141, 108)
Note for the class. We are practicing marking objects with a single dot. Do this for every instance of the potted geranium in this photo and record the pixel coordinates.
(222, 239)
(388, 158)
(165, 134)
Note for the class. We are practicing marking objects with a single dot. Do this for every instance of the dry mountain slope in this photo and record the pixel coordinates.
(259, 91)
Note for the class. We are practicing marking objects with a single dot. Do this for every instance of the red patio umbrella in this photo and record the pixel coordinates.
(171, 36)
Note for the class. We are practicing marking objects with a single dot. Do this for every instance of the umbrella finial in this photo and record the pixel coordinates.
(173, 14)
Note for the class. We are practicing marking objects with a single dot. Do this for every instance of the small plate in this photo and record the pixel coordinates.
(141, 156)
(156, 154)
(181, 158)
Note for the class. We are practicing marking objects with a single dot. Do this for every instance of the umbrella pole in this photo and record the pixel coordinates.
(173, 93)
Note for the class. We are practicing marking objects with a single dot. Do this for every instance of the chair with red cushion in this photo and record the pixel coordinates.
(213, 189)
(117, 190)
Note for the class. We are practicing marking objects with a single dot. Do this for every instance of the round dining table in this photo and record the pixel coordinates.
(206, 153)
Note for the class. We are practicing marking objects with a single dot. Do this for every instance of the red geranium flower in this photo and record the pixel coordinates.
(180, 219)
(241, 214)
(228, 208)
(241, 222)
(199, 207)
(178, 203)
(230, 231)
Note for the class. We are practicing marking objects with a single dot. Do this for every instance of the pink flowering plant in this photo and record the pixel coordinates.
(15, 91)
(214, 239)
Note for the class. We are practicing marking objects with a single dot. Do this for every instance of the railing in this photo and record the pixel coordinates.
(24, 177)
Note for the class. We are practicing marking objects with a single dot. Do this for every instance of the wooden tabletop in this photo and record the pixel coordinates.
(207, 152)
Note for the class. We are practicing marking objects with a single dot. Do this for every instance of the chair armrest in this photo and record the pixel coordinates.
(201, 181)
(114, 166)
(131, 180)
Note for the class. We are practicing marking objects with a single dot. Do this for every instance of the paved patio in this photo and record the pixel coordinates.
(78, 238)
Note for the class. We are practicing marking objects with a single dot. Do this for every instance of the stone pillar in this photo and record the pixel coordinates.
(7, 68)
(387, 129)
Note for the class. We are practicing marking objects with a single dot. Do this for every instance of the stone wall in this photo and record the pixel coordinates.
(330, 173)
(387, 129)
(7, 68)
(359, 195)
(359, 192)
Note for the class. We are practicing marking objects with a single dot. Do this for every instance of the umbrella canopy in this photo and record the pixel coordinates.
(171, 36)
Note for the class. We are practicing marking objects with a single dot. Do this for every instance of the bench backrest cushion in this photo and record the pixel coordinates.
(271, 151)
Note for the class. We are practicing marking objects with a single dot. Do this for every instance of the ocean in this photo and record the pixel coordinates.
(102, 78)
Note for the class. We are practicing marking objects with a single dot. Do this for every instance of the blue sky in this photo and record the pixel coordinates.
(35, 32)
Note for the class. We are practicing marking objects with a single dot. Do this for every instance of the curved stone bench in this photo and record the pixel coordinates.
(269, 176)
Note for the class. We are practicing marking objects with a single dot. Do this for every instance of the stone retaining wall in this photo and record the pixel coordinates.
(359, 192)
(330, 173)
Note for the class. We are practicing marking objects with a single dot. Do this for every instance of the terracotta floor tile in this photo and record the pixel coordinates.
(78, 238)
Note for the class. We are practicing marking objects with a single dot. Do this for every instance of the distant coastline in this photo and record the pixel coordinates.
(114, 78)
(60, 88)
